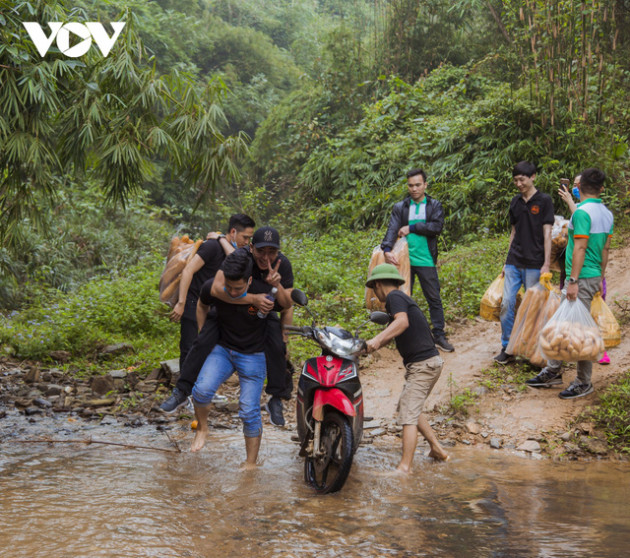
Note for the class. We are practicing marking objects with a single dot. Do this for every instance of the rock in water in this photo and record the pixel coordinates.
(531, 446)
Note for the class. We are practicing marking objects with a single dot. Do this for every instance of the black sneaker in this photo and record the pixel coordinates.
(546, 378)
(174, 402)
(576, 390)
(274, 408)
(442, 343)
(503, 357)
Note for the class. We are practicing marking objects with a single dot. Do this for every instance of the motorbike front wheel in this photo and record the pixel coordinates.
(329, 471)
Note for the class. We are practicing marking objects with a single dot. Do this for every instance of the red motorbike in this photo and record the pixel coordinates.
(330, 402)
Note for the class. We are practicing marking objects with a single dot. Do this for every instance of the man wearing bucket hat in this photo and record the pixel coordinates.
(423, 364)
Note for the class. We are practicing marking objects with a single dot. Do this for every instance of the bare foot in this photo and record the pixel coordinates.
(247, 466)
(388, 473)
(401, 470)
(439, 454)
(200, 439)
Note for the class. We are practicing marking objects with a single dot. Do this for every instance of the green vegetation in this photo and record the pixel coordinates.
(513, 375)
(612, 414)
(83, 237)
(102, 311)
(466, 130)
(462, 402)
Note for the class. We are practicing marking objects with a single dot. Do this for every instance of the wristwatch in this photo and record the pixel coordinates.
(220, 237)
(572, 280)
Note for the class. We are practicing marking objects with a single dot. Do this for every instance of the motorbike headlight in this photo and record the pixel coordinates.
(345, 347)
(340, 346)
(324, 339)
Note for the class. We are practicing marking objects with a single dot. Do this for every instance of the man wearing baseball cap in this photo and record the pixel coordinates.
(423, 364)
(271, 269)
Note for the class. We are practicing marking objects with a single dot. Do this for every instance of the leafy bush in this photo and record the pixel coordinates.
(332, 269)
(82, 237)
(107, 310)
(460, 404)
(465, 273)
(613, 413)
(467, 131)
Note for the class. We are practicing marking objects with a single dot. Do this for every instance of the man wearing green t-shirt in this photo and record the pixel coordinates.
(420, 218)
(590, 229)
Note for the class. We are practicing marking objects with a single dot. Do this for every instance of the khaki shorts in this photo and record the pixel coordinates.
(420, 378)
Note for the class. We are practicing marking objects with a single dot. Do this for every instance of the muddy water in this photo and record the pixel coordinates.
(103, 501)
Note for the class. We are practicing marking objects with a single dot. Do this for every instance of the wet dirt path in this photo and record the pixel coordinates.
(511, 415)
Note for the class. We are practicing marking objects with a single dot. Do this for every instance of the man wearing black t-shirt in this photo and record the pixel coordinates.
(240, 348)
(423, 363)
(531, 217)
(198, 270)
(271, 269)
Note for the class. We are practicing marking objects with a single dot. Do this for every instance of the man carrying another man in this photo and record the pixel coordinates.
(203, 266)
(270, 268)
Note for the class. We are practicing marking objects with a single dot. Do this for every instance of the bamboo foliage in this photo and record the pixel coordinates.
(571, 48)
(110, 118)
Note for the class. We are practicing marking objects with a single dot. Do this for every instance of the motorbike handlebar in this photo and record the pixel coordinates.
(298, 330)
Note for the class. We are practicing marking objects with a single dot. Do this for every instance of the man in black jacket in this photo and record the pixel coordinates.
(420, 218)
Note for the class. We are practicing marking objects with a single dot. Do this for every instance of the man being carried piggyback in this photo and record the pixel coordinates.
(590, 228)
(422, 360)
(529, 254)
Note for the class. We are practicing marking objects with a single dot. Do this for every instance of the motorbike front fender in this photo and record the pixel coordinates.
(333, 397)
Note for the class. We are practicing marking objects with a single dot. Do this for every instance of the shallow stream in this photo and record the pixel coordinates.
(68, 500)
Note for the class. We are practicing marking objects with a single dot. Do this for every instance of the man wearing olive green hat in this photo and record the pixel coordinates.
(423, 364)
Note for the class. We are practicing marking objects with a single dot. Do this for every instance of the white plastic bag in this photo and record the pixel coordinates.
(571, 334)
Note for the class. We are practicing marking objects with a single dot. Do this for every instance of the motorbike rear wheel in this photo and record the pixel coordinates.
(328, 472)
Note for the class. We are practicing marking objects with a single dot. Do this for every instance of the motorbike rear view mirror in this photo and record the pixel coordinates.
(299, 297)
(380, 318)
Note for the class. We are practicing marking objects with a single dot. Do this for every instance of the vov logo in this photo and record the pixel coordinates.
(86, 31)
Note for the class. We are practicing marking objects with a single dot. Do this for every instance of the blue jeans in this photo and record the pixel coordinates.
(251, 370)
(515, 277)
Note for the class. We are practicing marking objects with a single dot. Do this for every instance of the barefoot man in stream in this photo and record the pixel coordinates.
(240, 348)
(423, 363)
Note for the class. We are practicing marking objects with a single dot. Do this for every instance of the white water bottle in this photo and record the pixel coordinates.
(271, 296)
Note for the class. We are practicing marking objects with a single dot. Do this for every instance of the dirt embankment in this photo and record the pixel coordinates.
(501, 411)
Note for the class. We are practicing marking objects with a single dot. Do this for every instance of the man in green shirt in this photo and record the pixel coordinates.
(590, 229)
(420, 218)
